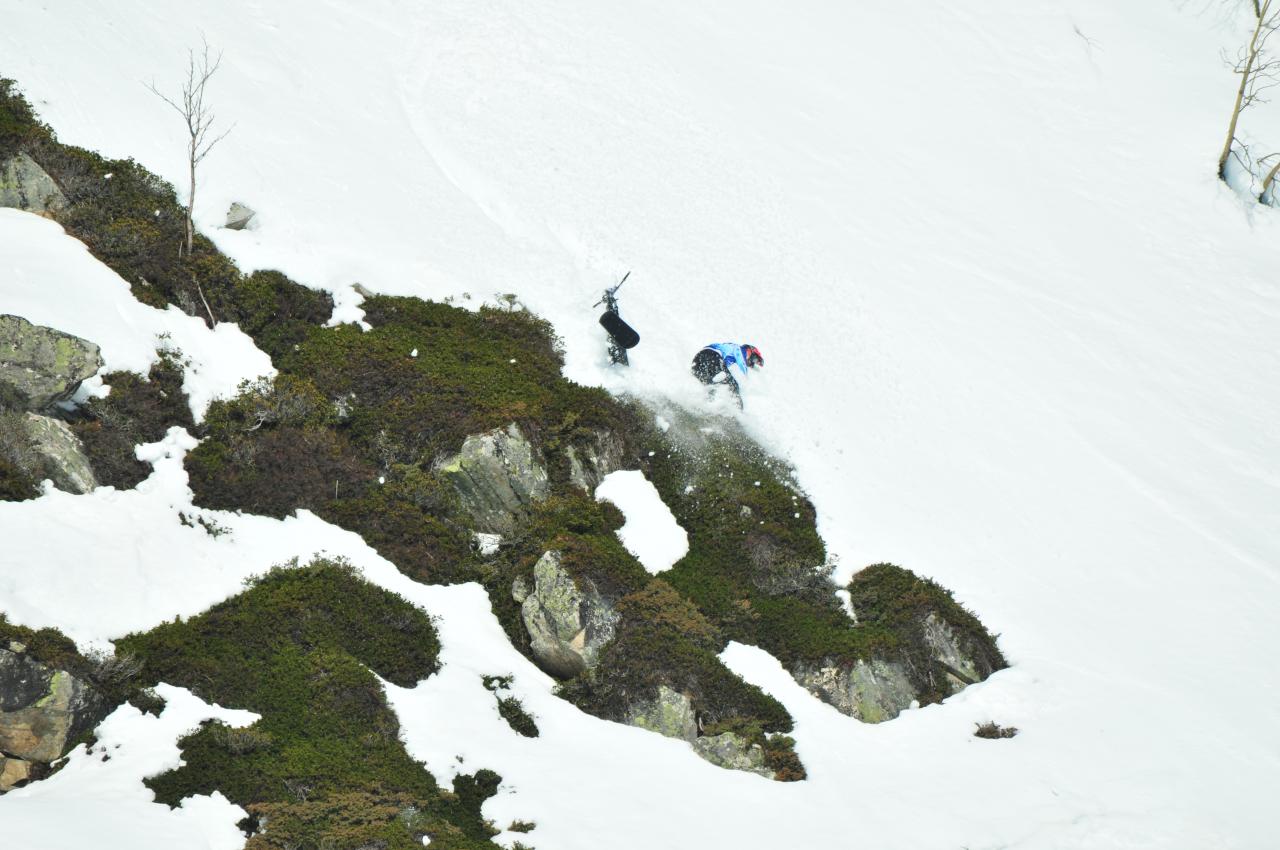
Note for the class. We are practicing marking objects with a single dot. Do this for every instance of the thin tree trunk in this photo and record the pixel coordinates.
(1267, 181)
(191, 201)
(1245, 76)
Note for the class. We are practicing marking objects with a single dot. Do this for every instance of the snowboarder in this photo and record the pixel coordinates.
(714, 365)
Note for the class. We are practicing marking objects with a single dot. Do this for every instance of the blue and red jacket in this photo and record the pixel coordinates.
(732, 354)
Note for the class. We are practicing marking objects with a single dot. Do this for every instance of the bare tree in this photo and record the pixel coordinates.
(1258, 72)
(199, 118)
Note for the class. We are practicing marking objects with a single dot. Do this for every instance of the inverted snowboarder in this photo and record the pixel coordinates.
(714, 365)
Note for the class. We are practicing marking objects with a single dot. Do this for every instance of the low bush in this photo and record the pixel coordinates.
(138, 410)
(994, 731)
(15, 484)
(301, 647)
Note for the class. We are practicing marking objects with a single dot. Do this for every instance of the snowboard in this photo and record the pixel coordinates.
(622, 333)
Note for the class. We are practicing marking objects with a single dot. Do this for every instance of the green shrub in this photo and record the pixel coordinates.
(15, 485)
(138, 410)
(301, 647)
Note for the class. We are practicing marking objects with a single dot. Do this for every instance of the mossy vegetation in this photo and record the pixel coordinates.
(888, 597)
(113, 676)
(511, 708)
(301, 647)
(137, 410)
(15, 485)
(756, 566)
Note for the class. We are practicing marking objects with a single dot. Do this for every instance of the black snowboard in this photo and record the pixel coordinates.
(623, 334)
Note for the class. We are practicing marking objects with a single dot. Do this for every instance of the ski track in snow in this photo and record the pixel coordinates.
(1018, 338)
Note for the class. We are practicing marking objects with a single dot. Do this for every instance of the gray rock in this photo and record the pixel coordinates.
(24, 185)
(40, 366)
(872, 691)
(23, 682)
(960, 668)
(731, 752)
(497, 477)
(590, 462)
(44, 710)
(61, 453)
(239, 216)
(567, 625)
(670, 714)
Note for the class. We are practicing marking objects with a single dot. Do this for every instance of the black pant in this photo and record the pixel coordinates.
(709, 366)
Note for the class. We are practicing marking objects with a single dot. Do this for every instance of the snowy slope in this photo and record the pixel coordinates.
(1018, 337)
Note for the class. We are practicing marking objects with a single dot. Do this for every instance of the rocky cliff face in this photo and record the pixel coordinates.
(42, 710)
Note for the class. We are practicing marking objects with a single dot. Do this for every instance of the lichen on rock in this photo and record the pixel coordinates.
(40, 366)
(498, 476)
(42, 711)
(24, 185)
(567, 625)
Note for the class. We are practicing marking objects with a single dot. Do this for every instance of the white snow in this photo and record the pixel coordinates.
(98, 799)
(651, 532)
(51, 279)
(1018, 336)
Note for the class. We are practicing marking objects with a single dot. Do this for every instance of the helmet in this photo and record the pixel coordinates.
(753, 355)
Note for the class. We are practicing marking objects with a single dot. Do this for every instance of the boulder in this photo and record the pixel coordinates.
(671, 714)
(592, 460)
(872, 691)
(567, 625)
(239, 216)
(61, 454)
(13, 772)
(42, 709)
(731, 752)
(497, 477)
(40, 366)
(24, 185)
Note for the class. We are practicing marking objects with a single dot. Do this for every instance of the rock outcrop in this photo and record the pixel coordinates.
(872, 691)
(567, 624)
(40, 366)
(42, 710)
(61, 454)
(24, 185)
(938, 648)
(671, 714)
(591, 461)
(498, 477)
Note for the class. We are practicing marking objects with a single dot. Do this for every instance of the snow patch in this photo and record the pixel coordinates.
(651, 532)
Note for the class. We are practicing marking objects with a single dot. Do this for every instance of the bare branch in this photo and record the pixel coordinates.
(199, 119)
